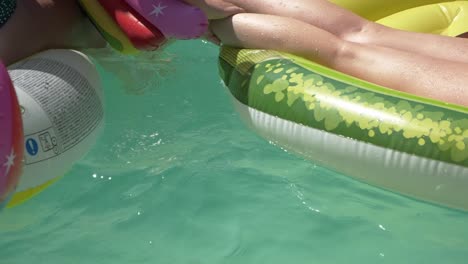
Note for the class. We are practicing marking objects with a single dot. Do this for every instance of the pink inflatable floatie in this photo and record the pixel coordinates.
(174, 18)
(11, 138)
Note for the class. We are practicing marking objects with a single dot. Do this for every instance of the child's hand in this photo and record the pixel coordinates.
(216, 9)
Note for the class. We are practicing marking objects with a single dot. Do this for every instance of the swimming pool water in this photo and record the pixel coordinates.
(177, 178)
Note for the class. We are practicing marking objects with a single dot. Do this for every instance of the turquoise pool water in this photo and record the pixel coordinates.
(177, 178)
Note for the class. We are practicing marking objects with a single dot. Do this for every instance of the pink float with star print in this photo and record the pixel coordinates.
(174, 18)
(11, 138)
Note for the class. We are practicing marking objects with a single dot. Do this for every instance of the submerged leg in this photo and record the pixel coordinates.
(413, 73)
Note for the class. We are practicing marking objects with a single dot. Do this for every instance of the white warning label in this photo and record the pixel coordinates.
(70, 102)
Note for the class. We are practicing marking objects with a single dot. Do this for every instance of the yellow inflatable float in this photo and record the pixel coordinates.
(448, 19)
(400, 142)
(375, 10)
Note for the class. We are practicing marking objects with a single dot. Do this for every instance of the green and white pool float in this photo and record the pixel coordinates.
(397, 141)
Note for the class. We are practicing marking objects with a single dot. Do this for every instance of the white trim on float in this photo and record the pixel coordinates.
(422, 178)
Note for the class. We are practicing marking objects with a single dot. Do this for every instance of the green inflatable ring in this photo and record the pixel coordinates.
(404, 143)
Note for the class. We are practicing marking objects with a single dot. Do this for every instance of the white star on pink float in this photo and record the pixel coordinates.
(158, 10)
(10, 161)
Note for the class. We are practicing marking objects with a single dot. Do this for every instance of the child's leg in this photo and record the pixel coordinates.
(320, 13)
(40, 24)
(417, 74)
(349, 26)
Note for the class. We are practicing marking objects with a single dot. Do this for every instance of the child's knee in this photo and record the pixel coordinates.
(361, 33)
